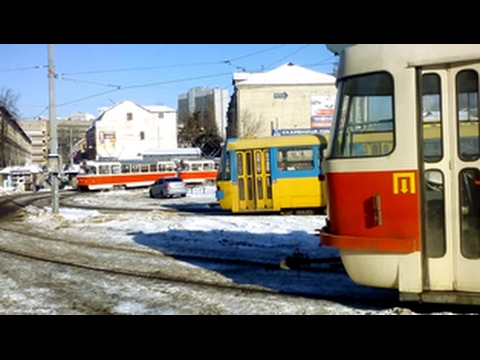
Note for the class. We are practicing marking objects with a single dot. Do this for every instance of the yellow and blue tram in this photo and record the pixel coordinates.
(272, 174)
(402, 170)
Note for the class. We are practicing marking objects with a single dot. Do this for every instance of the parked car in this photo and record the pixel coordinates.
(168, 187)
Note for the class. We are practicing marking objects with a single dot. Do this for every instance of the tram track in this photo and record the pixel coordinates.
(40, 244)
(297, 261)
(72, 257)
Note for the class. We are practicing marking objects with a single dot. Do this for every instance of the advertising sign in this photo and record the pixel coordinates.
(321, 114)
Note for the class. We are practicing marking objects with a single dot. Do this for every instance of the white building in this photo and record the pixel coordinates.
(125, 130)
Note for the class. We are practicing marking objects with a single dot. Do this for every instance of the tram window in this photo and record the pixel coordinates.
(249, 163)
(239, 164)
(153, 168)
(365, 116)
(435, 214)
(259, 188)
(116, 169)
(250, 188)
(267, 162)
(258, 162)
(125, 169)
(144, 168)
(467, 115)
(269, 187)
(470, 212)
(104, 169)
(241, 189)
(432, 118)
(295, 158)
(207, 166)
(135, 168)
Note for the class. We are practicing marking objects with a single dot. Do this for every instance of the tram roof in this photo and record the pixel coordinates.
(266, 142)
(362, 58)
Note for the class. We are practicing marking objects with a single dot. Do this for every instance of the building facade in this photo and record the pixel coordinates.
(288, 99)
(210, 102)
(15, 144)
(126, 130)
(70, 132)
(38, 132)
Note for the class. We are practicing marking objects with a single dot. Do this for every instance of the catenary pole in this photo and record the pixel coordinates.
(53, 143)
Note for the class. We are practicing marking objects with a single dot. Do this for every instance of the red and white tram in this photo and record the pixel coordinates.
(194, 172)
(402, 170)
(122, 174)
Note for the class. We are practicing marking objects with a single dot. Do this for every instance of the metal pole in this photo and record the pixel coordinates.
(53, 144)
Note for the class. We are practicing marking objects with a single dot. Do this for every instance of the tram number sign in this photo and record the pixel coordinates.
(404, 183)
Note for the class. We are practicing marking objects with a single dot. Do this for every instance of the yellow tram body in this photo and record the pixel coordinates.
(272, 174)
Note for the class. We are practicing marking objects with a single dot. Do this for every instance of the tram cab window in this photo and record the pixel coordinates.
(116, 169)
(224, 167)
(365, 121)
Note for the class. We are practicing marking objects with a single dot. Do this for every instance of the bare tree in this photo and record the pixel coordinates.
(251, 125)
(9, 100)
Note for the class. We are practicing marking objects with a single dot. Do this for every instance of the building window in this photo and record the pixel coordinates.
(129, 116)
(142, 135)
(160, 115)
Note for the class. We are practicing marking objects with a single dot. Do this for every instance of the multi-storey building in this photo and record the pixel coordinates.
(15, 144)
(38, 132)
(210, 102)
(70, 131)
(289, 99)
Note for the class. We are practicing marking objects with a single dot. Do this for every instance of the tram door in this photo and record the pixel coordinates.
(254, 180)
(451, 159)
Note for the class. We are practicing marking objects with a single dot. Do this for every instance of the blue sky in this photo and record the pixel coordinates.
(90, 76)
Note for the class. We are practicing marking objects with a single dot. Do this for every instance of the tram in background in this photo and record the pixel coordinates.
(402, 170)
(272, 174)
(99, 175)
(197, 172)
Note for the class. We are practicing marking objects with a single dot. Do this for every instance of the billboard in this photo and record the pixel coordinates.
(321, 111)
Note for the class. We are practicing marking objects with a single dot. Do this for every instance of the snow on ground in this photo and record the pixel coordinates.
(197, 234)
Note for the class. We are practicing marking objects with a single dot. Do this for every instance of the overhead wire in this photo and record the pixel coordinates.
(35, 67)
(289, 55)
(216, 62)
(61, 76)
(116, 87)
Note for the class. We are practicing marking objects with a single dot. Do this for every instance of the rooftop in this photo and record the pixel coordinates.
(287, 74)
